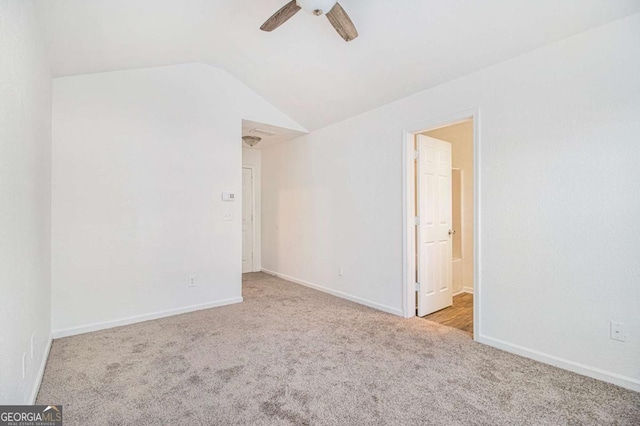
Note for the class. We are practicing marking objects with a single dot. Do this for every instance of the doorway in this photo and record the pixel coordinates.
(441, 171)
(248, 215)
(434, 225)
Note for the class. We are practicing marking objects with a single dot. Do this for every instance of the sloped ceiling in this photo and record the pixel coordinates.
(303, 67)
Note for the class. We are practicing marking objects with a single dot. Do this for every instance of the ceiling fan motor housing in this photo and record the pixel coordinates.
(316, 7)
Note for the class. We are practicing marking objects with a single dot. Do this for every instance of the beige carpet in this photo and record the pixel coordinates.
(291, 355)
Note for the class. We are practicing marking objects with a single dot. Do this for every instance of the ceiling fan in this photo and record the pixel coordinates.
(332, 9)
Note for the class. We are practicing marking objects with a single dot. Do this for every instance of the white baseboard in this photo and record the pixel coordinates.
(337, 293)
(467, 290)
(565, 364)
(40, 374)
(140, 318)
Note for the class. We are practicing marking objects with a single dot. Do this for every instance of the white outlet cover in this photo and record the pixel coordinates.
(227, 216)
(618, 331)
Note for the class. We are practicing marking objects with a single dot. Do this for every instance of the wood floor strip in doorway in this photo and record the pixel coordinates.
(459, 315)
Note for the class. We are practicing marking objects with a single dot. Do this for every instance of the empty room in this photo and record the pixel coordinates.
(309, 212)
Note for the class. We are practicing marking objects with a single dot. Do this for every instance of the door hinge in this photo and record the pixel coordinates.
(416, 220)
(417, 286)
(416, 154)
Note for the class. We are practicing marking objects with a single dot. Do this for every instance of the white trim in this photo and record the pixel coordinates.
(336, 293)
(565, 364)
(408, 223)
(408, 208)
(43, 363)
(140, 318)
(465, 290)
(477, 253)
(254, 267)
(463, 231)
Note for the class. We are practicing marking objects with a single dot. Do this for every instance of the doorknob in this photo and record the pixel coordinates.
(451, 232)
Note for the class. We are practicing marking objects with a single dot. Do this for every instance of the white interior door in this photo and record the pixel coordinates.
(247, 220)
(435, 244)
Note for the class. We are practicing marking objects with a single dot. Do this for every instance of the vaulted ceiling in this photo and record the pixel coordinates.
(304, 68)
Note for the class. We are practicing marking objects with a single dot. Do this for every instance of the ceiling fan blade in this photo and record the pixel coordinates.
(281, 16)
(342, 23)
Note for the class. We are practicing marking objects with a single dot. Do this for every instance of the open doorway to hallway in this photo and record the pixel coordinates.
(248, 218)
(256, 137)
(443, 202)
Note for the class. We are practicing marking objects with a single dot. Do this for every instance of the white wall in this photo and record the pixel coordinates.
(253, 158)
(559, 132)
(140, 159)
(460, 136)
(25, 197)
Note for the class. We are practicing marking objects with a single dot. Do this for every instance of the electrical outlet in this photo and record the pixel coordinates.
(227, 216)
(32, 348)
(24, 365)
(618, 331)
(341, 271)
(192, 281)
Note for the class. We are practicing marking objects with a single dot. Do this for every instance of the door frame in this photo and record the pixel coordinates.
(253, 215)
(408, 208)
